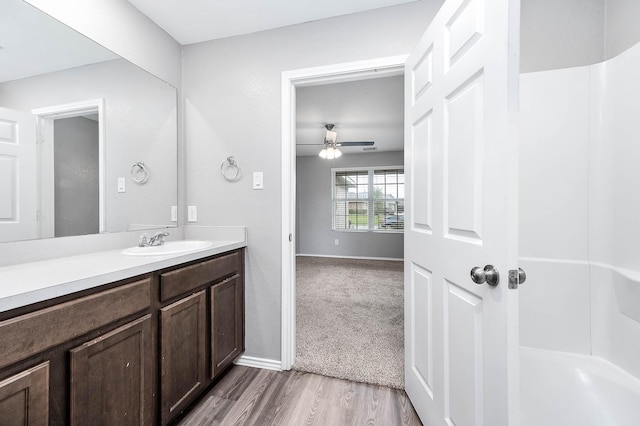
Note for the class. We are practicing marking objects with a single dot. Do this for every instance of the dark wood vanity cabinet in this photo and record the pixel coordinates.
(24, 397)
(227, 323)
(136, 352)
(202, 332)
(182, 353)
(110, 377)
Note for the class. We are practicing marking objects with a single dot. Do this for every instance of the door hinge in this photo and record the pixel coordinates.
(290, 237)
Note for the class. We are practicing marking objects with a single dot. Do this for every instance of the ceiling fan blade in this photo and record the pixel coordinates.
(356, 143)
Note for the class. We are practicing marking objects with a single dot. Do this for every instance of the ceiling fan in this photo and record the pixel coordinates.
(330, 138)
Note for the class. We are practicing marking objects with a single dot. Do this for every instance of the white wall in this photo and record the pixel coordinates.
(554, 177)
(313, 205)
(615, 277)
(232, 107)
(579, 216)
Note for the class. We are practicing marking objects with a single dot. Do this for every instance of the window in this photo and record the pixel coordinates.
(368, 199)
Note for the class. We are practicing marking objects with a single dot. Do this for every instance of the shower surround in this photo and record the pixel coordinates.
(579, 226)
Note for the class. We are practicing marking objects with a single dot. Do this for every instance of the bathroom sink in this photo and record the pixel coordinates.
(170, 247)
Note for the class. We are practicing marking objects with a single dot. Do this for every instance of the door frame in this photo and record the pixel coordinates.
(44, 127)
(335, 73)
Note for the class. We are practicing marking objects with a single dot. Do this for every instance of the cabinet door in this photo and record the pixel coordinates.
(24, 397)
(111, 379)
(182, 346)
(227, 323)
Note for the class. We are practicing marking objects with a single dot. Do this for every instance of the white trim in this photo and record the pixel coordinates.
(264, 363)
(363, 168)
(336, 73)
(45, 117)
(395, 259)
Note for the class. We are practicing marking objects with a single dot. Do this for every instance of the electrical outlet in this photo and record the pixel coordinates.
(336, 241)
(174, 213)
(192, 214)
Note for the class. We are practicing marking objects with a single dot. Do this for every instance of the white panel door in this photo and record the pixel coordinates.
(461, 173)
(17, 176)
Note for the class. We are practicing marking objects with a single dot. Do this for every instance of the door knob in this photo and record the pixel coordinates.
(488, 274)
(522, 276)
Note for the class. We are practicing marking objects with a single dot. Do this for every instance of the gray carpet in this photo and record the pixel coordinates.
(350, 320)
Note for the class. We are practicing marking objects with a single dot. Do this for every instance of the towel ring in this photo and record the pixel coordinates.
(139, 173)
(230, 169)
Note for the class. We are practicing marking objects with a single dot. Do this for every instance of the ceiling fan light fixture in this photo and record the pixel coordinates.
(329, 152)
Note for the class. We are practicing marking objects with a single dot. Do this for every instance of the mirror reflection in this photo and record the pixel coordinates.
(76, 123)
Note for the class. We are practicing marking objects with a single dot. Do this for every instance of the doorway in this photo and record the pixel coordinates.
(292, 80)
(349, 243)
(71, 153)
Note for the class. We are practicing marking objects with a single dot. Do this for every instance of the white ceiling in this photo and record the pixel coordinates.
(193, 21)
(366, 110)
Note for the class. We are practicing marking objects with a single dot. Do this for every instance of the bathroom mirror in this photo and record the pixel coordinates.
(88, 141)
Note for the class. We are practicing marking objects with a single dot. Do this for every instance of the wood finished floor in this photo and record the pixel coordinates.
(252, 396)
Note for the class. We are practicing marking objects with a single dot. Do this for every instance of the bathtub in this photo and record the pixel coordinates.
(563, 389)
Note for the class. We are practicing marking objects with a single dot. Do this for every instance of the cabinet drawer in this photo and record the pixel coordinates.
(175, 283)
(35, 332)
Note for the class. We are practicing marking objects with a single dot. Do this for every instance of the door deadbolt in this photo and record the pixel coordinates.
(489, 274)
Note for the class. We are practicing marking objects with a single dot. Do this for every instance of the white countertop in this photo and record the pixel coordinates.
(26, 283)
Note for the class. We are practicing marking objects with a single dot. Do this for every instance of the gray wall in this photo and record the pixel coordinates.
(232, 95)
(120, 27)
(561, 34)
(313, 219)
(140, 125)
(571, 33)
(622, 26)
(76, 177)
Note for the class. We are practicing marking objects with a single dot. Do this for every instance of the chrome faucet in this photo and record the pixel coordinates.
(156, 240)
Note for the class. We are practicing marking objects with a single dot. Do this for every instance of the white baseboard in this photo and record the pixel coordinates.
(351, 257)
(251, 361)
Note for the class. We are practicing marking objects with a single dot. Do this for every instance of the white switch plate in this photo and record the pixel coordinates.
(258, 182)
(174, 213)
(336, 241)
(121, 185)
(192, 214)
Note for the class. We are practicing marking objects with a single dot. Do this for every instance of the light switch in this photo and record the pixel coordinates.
(192, 214)
(121, 185)
(258, 180)
(174, 213)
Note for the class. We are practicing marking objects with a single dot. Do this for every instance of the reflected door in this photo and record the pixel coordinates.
(18, 216)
